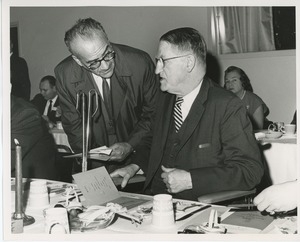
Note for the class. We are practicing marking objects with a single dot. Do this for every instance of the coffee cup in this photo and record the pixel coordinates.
(276, 126)
(38, 194)
(289, 129)
(56, 221)
(163, 211)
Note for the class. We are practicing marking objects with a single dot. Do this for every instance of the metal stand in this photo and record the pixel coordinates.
(86, 120)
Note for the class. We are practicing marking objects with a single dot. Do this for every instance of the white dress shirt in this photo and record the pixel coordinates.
(188, 101)
(99, 80)
(48, 103)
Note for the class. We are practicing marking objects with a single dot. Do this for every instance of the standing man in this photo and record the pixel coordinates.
(47, 101)
(202, 138)
(19, 76)
(124, 79)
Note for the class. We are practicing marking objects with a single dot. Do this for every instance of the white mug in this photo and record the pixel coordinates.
(289, 129)
(56, 221)
(163, 212)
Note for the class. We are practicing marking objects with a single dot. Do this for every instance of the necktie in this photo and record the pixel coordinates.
(107, 97)
(177, 113)
(49, 107)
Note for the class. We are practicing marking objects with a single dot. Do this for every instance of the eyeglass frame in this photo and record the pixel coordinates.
(99, 60)
(163, 60)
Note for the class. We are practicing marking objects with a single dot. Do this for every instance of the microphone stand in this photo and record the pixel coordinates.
(86, 120)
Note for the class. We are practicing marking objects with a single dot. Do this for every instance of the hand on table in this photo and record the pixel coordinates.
(126, 172)
(277, 198)
(120, 151)
(176, 180)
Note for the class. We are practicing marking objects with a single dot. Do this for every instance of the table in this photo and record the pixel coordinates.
(281, 157)
(124, 226)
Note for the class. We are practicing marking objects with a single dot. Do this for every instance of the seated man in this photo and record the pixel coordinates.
(206, 143)
(38, 149)
(47, 101)
(278, 198)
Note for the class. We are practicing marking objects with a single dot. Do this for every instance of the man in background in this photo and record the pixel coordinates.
(47, 101)
(20, 82)
(125, 82)
(203, 141)
(38, 148)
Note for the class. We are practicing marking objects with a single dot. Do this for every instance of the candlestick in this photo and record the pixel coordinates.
(19, 217)
(18, 182)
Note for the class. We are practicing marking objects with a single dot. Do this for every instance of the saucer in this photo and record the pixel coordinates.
(289, 135)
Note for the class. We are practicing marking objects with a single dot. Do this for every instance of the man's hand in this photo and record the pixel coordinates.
(126, 172)
(176, 180)
(48, 122)
(120, 151)
(277, 198)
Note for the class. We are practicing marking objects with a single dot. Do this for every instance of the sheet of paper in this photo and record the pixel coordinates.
(100, 153)
(251, 219)
(97, 186)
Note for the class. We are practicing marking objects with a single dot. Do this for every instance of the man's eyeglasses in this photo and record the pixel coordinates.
(97, 63)
(162, 61)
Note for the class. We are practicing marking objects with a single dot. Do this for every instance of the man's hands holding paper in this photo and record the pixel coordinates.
(126, 172)
(176, 180)
(120, 151)
(117, 152)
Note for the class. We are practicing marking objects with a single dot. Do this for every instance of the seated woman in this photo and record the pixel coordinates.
(236, 81)
(38, 148)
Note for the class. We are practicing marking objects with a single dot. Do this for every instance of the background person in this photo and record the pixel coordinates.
(212, 148)
(38, 148)
(236, 81)
(19, 79)
(125, 81)
(47, 101)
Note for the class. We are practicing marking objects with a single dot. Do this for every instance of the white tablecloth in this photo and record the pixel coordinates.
(281, 158)
(120, 226)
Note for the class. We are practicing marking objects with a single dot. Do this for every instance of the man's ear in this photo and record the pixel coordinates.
(77, 60)
(191, 61)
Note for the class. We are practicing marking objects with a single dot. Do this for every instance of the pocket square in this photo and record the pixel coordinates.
(204, 145)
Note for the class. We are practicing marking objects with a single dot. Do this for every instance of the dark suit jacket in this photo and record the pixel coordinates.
(40, 102)
(20, 82)
(38, 149)
(216, 143)
(134, 88)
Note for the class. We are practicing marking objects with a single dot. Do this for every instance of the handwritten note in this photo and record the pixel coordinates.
(97, 186)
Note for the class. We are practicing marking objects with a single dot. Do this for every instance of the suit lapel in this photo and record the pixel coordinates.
(195, 113)
(119, 90)
(164, 114)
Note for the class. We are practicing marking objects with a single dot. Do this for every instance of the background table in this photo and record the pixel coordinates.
(281, 158)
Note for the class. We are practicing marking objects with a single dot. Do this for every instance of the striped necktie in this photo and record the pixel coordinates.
(177, 113)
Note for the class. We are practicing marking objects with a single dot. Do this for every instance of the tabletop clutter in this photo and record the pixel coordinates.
(93, 204)
(277, 130)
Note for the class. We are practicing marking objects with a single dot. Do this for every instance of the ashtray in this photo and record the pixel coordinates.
(93, 218)
(273, 134)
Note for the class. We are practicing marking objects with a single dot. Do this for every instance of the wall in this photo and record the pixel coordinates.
(273, 78)
(41, 32)
(42, 29)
